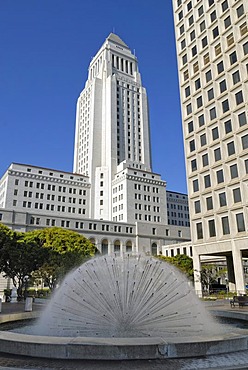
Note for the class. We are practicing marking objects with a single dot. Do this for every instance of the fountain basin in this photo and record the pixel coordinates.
(86, 348)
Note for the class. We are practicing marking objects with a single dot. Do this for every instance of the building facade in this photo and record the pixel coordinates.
(113, 134)
(177, 208)
(212, 52)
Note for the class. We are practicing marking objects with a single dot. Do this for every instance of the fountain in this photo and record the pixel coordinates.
(131, 296)
(123, 307)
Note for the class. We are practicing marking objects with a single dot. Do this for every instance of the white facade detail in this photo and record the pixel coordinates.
(212, 52)
(112, 123)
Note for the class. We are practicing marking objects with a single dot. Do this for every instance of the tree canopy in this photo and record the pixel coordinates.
(48, 254)
(182, 262)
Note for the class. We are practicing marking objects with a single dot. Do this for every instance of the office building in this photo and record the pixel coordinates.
(212, 52)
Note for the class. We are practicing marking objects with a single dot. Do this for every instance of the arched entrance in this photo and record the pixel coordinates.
(154, 249)
(129, 247)
(104, 246)
(117, 247)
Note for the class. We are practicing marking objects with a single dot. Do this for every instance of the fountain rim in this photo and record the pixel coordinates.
(114, 348)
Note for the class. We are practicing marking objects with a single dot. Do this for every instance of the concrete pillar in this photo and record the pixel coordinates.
(230, 274)
(238, 269)
(29, 304)
(197, 274)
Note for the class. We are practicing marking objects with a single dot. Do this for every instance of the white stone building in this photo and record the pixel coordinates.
(43, 190)
(112, 135)
(177, 208)
(212, 51)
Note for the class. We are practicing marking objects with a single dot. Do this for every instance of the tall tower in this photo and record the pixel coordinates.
(112, 123)
(212, 52)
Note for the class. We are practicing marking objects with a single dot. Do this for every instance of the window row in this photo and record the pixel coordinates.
(225, 223)
(207, 178)
(207, 204)
(241, 118)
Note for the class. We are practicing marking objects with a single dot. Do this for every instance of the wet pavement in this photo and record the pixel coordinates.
(237, 360)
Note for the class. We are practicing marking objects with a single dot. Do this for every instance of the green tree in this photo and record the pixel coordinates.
(18, 259)
(182, 262)
(66, 250)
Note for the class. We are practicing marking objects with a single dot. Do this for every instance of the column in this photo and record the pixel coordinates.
(230, 274)
(197, 274)
(238, 269)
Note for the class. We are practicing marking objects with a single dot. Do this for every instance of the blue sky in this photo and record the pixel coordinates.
(46, 48)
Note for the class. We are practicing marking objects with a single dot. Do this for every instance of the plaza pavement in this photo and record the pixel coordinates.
(237, 360)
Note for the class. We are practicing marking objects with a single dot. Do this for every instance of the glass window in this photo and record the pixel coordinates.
(210, 2)
(209, 202)
(215, 133)
(184, 59)
(220, 176)
(236, 77)
(217, 49)
(206, 58)
(199, 102)
(192, 145)
(231, 148)
(230, 39)
(202, 26)
(197, 84)
(224, 5)
(215, 32)
(222, 199)
(210, 94)
(183, 44)
(193, 165)
(244, 140)
(212, 113)
(245, 47)
(200, 10)
(225, 106)
(201, 120)
(199, 230)
(225, 225)
(217, 154)
(211, 227)
(195, 185)
(223, 86)
(189, 6)
(208, 76)
(240, 10)
(187, 91)
(220, 67)
(243, 29)
(203, 139)
(204, 41)
(197, 206)
(191, 20)
(234, 171)
(242, 119)
(180, 15)
(236, 195)
(207, 181)
(239, 97)
(233, 58)
(190, 127)
(192, 35)
(189, 109)
(228, 126)
(205, 160)
(194, 51)
(246, 165)
(240, 222)
(181, 29)
(213, 16)
(227, 22)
